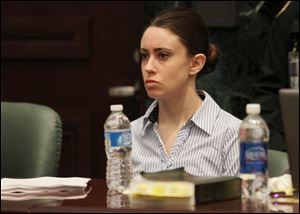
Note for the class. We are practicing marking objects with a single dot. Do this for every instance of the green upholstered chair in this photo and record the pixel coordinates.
(31, 140)
(278, 163)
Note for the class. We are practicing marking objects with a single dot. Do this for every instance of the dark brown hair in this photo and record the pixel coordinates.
(189, 26)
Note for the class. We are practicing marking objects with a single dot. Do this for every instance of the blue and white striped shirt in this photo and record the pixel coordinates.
(207, 145)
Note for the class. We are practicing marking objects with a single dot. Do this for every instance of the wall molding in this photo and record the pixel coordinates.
(45, 38)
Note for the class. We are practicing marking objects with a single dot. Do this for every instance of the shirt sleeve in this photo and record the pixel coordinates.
(231, 154)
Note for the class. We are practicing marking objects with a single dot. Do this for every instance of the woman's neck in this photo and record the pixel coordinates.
(179, 109)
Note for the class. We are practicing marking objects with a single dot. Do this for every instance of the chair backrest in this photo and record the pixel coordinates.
(278, 163)
(31, 140)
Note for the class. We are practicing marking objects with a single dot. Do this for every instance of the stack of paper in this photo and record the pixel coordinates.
(282, 183)
(44, 188)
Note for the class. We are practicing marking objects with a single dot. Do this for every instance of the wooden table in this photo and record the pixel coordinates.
(96, 201)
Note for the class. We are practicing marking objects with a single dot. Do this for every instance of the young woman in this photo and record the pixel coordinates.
(183, 127)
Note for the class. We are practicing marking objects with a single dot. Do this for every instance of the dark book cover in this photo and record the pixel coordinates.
(207, 188)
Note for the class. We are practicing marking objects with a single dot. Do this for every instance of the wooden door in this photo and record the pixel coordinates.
(66, 55)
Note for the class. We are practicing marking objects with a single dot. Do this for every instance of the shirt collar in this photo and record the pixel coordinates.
(207, 113)
(204, 118)
(151, 113)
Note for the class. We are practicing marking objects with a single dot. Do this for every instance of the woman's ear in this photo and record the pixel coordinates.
(197, 63)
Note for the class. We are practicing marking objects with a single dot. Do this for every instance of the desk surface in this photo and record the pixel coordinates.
(96, 201)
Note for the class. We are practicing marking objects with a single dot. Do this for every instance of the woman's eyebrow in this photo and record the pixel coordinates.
(156, 50)
(162, 49)
(143, 50)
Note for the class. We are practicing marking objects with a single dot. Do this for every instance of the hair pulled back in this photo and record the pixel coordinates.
(189, 26)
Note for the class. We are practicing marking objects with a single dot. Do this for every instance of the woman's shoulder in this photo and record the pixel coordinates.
(229, 120)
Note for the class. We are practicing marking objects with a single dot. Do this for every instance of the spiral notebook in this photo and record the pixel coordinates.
(289, 104)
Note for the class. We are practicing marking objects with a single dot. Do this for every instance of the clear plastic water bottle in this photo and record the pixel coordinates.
(254, 137)
(293, 56)
(115, 199)
(294, 67)
(118, 142)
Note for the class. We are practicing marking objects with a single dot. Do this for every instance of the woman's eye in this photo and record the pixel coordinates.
(163, 56)
(143, 56)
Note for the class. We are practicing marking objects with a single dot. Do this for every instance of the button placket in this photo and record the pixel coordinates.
(179, 142)
(163, 153)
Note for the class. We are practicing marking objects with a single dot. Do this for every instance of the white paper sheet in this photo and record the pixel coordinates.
(44, 188)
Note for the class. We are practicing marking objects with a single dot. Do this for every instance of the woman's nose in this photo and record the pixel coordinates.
(149, 65)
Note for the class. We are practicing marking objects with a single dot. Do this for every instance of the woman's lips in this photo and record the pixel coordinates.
(150, 83)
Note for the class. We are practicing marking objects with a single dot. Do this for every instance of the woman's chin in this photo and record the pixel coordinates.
(153, 95)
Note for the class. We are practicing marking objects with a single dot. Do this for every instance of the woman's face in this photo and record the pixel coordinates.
(164, 63)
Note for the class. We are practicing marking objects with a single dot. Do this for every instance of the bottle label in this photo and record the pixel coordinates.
(253, 157)
(118, 138)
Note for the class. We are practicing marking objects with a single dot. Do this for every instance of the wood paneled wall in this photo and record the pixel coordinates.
(66, 54)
